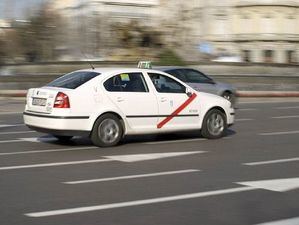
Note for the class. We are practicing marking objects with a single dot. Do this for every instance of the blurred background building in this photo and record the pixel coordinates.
(259, 31)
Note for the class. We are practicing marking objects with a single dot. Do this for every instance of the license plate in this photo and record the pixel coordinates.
(39, 101)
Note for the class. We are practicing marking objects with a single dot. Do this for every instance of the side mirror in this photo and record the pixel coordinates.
(188, 92)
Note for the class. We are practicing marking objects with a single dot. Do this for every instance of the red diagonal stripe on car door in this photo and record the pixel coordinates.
(177, 111)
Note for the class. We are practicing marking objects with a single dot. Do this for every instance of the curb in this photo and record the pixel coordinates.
(254, 94)
(242, 94)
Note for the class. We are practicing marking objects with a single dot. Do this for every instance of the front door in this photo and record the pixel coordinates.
(177, 110)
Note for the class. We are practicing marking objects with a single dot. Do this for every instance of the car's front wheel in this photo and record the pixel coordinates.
(214, 124)
(107, 131)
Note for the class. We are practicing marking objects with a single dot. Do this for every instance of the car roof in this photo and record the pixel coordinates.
(106, 71)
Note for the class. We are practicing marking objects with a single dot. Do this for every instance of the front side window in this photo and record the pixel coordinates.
(126, 82)
(73, 80)
(165, 84)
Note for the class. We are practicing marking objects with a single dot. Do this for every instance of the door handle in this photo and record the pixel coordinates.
(120, 99)
(163, 99)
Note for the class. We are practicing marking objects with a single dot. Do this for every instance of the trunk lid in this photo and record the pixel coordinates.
(41, 100)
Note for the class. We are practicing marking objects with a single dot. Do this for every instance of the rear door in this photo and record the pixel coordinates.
(177, 110)
(131, 95)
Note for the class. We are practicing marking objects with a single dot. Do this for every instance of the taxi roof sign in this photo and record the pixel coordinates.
(145, 65)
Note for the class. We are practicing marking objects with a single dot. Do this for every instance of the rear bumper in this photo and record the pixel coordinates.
(61, 132)
(57, 125)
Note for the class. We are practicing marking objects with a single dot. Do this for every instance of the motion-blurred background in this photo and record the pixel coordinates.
(57, 36)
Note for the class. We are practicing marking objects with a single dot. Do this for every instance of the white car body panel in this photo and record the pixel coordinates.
(140, 112)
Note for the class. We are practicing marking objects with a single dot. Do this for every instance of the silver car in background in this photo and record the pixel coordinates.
(201, 82)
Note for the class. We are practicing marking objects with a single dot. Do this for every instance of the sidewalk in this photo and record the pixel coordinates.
(249, 94)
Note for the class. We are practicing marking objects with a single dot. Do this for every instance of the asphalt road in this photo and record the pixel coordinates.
(177, 179)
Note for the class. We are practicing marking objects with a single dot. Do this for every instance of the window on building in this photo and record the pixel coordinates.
(291, 56)
(246, 55)
(127, 82)
(268, 56)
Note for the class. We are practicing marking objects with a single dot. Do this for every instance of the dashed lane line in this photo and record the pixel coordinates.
(11, 141)
(280, 133)
(46, 151)
(247, 109)
(175, 141)
(17, 132)
(288, 107)
(55, 164)
(290, 221)
(285, 117)
(132, 176)
(11, 125)
(271, 162)
(244, 119)
(138, 202)
(8, 113)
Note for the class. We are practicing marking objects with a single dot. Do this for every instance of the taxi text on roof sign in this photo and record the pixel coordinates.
(145, 65)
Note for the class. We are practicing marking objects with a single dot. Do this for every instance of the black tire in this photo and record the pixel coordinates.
(214, 124)
(229, 96)
(62, 138)
(107, 131)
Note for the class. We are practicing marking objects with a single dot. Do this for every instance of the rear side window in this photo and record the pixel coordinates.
(126, 82)
(73, 80)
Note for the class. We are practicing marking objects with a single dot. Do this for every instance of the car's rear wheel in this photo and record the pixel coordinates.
(107, 131)
(62, 138)
(214, 124)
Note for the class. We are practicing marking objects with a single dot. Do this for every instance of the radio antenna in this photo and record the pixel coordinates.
(89, 62)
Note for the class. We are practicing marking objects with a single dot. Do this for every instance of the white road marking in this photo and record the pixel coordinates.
(39, 139)
(280, 133)
(244, 119)
(285, 117)
(121, 158)
(284, 185)
(8, 113)
(150, 156)
(138, 202)
(11, 125)
(290, 221)
(279, 185)
(271, 162)
(132, 176)
(248, 109)
(10, 141)
(288, 107)
(46, 151)
(17, 132)
(174, 141)
(54, 164)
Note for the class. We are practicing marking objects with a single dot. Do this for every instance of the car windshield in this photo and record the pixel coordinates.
(190, 76)
(73, 80)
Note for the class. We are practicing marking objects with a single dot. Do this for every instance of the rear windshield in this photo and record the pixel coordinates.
(73, 80)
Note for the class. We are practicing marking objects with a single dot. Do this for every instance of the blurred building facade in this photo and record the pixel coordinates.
(254, 30)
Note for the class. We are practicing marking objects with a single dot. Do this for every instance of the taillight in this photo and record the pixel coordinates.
(61, 101)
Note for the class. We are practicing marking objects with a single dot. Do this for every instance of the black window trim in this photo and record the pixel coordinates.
(147, 90)
(162, 74)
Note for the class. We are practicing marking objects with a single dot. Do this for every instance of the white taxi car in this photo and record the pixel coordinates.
(107, 104)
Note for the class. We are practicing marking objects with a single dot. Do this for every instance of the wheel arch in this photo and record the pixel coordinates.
(211, 108)
(121, 119)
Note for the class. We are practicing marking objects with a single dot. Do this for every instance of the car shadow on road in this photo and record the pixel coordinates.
(131, 139)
